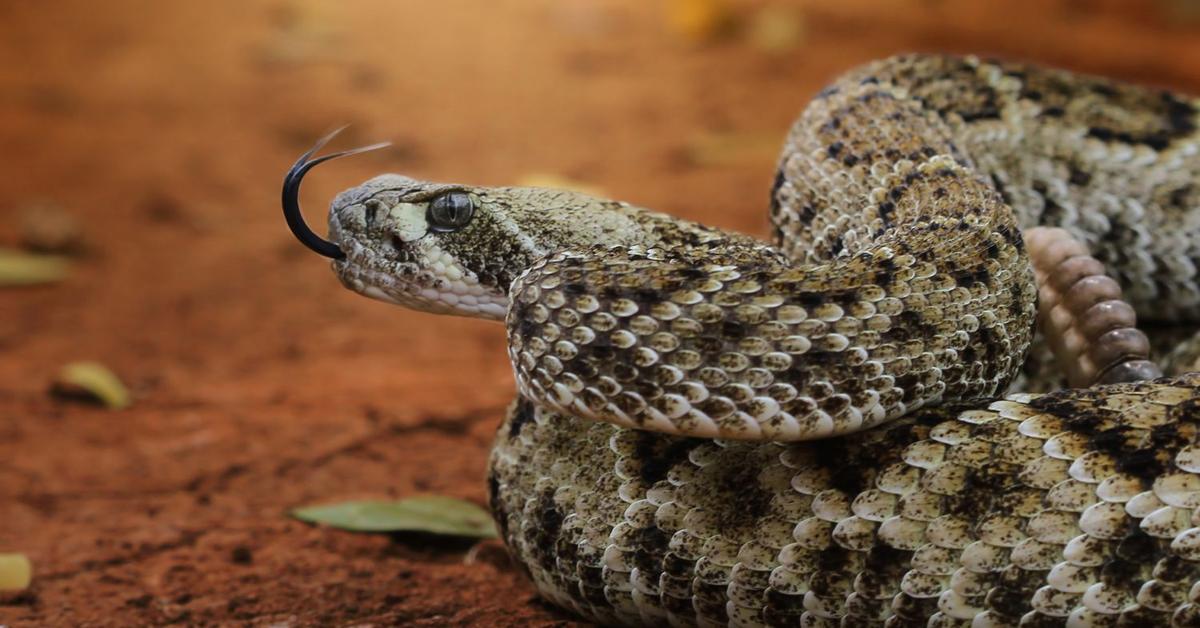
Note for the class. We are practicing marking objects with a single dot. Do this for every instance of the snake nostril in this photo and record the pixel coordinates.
(397, 243)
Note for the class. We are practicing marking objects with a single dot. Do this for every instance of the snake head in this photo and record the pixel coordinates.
(456, 249)
(408, 242)
(427, 246)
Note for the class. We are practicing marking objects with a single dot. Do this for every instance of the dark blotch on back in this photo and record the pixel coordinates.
(525, 325)
(778, 183)
(543, 533)
(733, 330)
(1144, 454)
(522, 415)
(807, 213)
(1178, 120)
(888, 562)
(1137, 547)
(1007, 602)
(496, 504)
(740, 484)
(650, 546)
(886, 210)
(1077, 176)
(659, 452)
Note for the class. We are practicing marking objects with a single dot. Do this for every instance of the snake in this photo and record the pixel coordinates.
(823, 429)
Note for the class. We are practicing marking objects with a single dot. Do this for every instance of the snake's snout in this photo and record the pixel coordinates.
(291, 195)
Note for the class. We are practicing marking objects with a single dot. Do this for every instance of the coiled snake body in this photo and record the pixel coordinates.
(712, 430)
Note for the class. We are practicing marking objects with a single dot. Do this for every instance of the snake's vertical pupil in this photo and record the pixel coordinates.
(450, 212)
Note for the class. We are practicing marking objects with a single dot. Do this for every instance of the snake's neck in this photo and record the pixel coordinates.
(602, 226)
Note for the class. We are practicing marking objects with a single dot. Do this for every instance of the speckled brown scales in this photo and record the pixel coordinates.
(894, 189)
(1078, 506)
(898, 281)
(908, 284)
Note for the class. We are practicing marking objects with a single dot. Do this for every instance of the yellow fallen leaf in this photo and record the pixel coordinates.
(15, 572)
(711, 149)
(25, 269)
(547, 180)
(699, 21)
(93, 380)
(776, 29)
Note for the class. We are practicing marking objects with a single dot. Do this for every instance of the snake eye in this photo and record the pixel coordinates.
(450, 212)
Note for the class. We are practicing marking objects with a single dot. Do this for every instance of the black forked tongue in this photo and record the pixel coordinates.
(291, 195)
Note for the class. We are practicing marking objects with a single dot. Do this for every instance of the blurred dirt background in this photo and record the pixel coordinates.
(161, 131)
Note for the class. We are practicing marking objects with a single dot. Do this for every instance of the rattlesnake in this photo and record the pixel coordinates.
(809, 433)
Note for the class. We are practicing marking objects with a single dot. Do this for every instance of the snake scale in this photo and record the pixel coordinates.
(713, 430)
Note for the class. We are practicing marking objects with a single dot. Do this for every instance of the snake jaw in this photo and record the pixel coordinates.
(409, 286)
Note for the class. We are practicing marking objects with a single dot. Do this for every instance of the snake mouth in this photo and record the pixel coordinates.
(291, 194)
(415, 278)
(371, 273)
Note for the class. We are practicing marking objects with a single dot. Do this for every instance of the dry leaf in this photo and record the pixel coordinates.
(91, 380)
(304, 31)
(433, 514)
(699, 21)
(711, 149)
(24, 269)
(776, 29)
(15, 572)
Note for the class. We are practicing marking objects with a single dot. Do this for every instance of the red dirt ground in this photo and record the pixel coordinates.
(261, 384)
